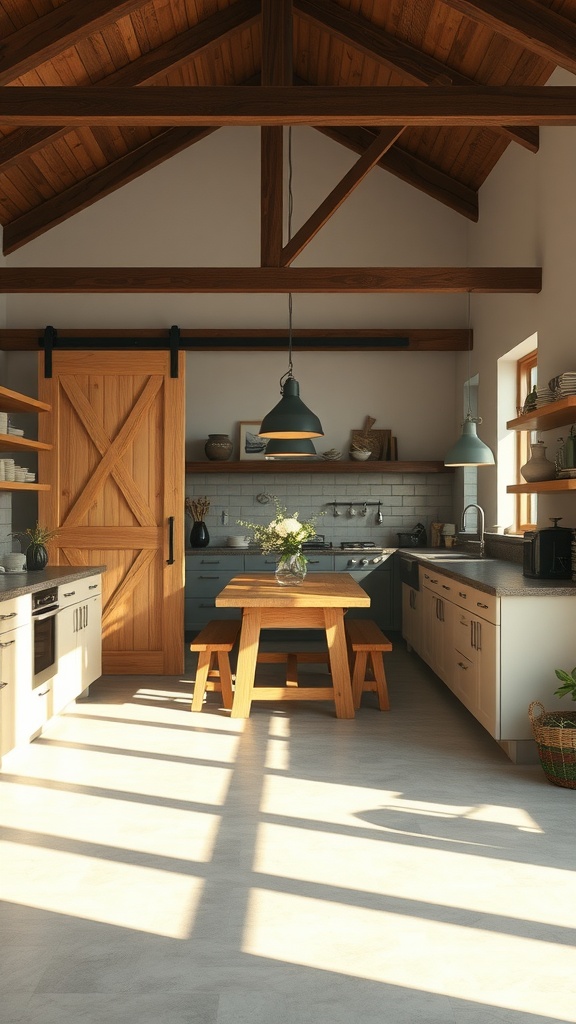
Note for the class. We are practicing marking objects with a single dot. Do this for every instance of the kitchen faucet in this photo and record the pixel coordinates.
(481, 527)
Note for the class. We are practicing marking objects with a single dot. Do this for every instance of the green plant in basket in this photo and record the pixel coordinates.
(568, 680)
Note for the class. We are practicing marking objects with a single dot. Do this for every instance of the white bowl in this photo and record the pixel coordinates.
(360, 456)
(238, 542)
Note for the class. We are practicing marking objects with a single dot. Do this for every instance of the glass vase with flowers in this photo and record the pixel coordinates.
(285, 536)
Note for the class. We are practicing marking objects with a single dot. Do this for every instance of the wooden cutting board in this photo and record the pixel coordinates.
(377, 441)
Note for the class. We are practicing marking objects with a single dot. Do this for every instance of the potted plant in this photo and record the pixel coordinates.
(555, 734)
(36, 553)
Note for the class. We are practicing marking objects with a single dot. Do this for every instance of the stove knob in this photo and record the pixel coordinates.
(363, 561)
(376, 560)
(351, 561)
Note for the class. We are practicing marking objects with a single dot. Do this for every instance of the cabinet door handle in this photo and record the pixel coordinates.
(446, 587)
(70, 593)
(2, 685)
(478, 636)
(480, 605)
(42, 693)
(85, 614)
(12, 615)
(461, 593)
(8, 643)
(208, 577)
(170, 559)
(210, 561)
(463, 666)
(75, 621)
(93, 586)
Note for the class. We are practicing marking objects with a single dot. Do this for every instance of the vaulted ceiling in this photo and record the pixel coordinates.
(73, 126)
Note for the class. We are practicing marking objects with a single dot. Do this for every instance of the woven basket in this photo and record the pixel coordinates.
(556, 745)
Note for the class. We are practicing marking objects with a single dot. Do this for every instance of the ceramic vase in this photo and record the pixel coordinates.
(36, 557)
(538, 466)
(218, 447)
(291, 569)
(199, 536)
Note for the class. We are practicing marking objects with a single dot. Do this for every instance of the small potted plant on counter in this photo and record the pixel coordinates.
(36, 553)
(555, 734)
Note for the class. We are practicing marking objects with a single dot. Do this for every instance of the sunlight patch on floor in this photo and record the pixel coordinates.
(375, 945)
(123, 895)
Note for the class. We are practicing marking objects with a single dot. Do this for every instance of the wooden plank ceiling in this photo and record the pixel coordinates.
(62, 151)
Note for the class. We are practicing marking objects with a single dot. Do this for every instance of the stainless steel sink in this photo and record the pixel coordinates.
(454, 556)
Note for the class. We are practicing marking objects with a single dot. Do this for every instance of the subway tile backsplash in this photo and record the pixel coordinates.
(407, 499)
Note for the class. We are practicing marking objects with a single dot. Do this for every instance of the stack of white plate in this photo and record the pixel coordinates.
(563, 385)
(16, 431)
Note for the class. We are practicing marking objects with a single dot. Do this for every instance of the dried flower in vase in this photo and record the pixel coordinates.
(197, 508)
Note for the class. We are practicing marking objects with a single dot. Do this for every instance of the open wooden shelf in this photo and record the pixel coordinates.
(543, 487)
(547, 417)
(12, 401)
(14, 485)
(15, 443)
(315, 466)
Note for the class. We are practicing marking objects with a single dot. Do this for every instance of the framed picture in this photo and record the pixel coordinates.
(250, 445)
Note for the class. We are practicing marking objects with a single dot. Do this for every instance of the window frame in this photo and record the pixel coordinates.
(526, 504)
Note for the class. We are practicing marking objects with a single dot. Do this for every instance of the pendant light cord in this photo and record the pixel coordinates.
(289, 373)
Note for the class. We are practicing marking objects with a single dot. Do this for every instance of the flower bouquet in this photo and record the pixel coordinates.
(285, 535)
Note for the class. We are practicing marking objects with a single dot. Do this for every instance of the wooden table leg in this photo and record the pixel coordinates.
(246, 664)
(339, 666)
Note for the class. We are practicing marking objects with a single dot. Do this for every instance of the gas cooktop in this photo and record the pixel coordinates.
(319, 543)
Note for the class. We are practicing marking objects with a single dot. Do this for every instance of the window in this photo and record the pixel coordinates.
(526, 504)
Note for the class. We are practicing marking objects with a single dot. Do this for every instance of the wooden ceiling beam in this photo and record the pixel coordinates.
(529, 24)
(262, 339)
(276, 69)
(50, 35)
(414, 64)
(102, 183)
(410, 169)
(270, 280)
(317, 106)
(201, 39)
(370, 157)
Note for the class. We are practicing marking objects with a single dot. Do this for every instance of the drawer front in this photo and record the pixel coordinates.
(438, 583)
(79, 590)
(15, 612)
(206, 583)
(231, 563)
(485, 606)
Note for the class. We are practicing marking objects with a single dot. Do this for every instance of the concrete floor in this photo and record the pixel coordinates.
(158, 866)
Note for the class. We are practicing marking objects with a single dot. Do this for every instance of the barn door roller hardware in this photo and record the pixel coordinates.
(50, 341)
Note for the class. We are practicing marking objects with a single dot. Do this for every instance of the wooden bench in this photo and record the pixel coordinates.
(367, 644)
(214, 643)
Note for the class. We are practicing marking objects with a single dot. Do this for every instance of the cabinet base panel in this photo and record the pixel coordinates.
(520, 751)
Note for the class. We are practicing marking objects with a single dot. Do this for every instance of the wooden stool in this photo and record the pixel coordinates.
(367, 641)
(214, 644)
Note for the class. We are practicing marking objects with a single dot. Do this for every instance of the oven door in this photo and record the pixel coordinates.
(44, 631)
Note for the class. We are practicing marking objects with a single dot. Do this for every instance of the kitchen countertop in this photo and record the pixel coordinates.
(16, 584)
(493, 575)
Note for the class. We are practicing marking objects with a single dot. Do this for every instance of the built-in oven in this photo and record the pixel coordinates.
(44, 613)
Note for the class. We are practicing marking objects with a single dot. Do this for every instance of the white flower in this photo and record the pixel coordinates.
(286, 527)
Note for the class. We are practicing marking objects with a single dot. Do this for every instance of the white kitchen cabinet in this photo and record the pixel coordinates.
(78, 640)
(19, 706)
(476, 667)
(437, 642)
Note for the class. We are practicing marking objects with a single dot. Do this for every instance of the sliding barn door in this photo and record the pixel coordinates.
(117, 495)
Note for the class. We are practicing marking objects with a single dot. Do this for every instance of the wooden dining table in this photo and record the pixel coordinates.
(319, 602)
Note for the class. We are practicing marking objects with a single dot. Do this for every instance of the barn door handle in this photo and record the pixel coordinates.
(170, 559)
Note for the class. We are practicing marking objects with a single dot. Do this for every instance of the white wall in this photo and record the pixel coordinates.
(527, 218)
(203, 208)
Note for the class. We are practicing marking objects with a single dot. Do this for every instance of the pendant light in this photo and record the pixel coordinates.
(469, 450)
(294, 448)
(290, 418)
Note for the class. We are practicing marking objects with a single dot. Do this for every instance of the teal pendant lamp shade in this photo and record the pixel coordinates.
(469, 450)
(296, 448)
(291, 418)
